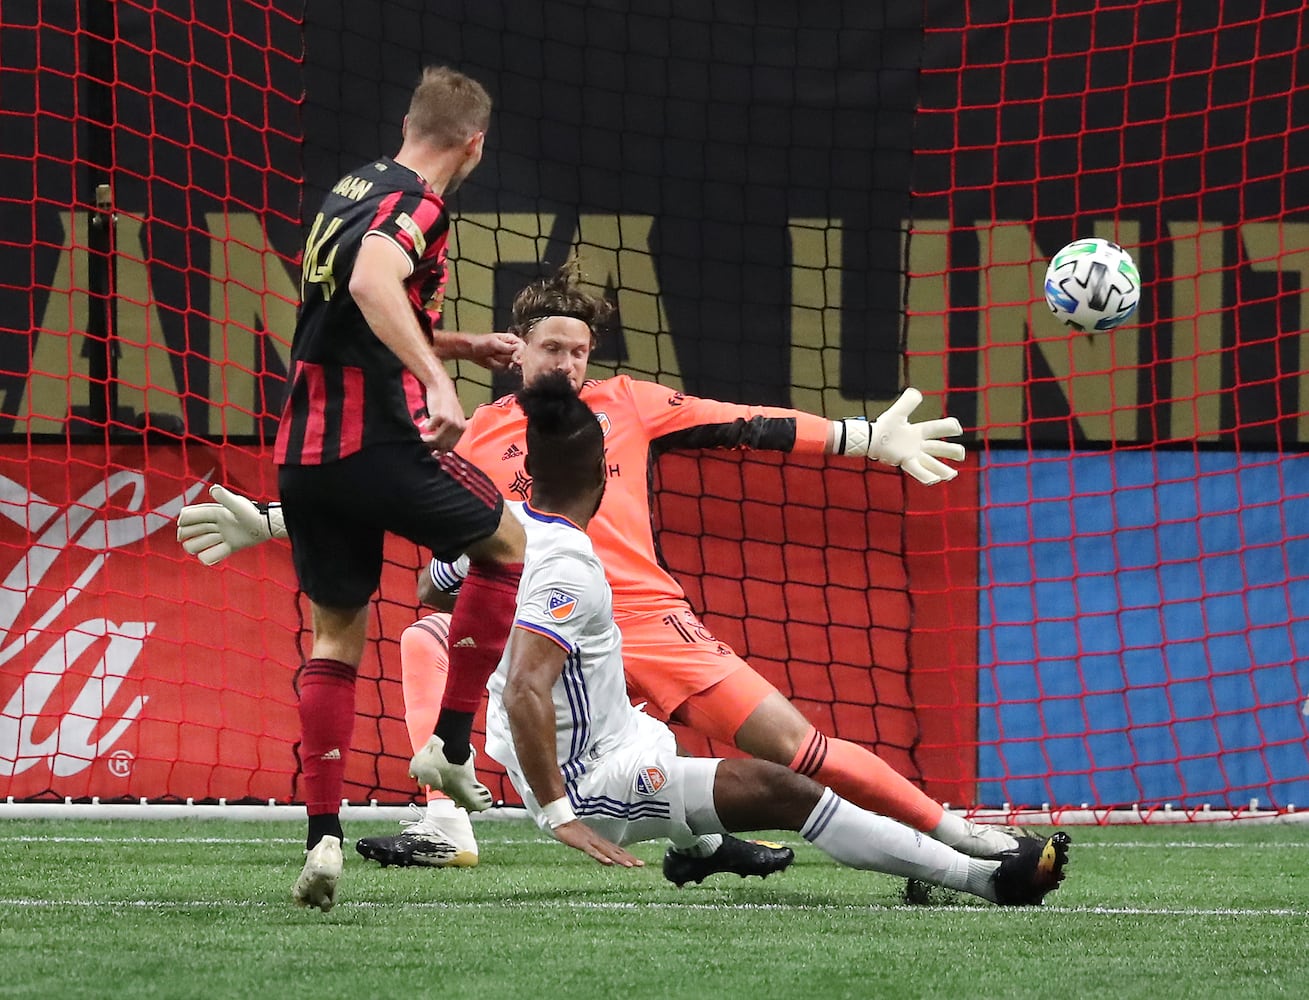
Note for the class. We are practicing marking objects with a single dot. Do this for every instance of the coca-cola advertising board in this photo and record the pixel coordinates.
(127, 669)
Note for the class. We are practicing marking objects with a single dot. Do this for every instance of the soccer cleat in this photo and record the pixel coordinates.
(1034, 868)
(459, 781)
(986, 841)
(316, 886)
(441, 837)
(740, 857)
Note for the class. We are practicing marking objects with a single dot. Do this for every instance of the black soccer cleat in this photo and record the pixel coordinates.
(1035, 867)
(740, 857)
(409, 850)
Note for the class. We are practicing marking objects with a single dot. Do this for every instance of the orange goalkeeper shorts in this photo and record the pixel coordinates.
(672, 661)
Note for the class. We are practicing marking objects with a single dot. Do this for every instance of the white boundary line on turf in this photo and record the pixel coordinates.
(32, 839)
(27, 902)
(12, 808)
(486, 838)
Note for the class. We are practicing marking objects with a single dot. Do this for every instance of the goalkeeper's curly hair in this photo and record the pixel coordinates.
(560, 294)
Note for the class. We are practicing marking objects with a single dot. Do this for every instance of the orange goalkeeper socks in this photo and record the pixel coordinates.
(424, 667)
(866, 780)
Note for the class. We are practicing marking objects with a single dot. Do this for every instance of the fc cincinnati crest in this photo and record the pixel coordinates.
(605, 425)
(649, 780)
(560, 605)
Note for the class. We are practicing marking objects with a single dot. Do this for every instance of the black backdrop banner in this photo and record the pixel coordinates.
(728, 131)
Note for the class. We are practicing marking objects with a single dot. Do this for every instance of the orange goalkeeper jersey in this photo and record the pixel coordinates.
(641, 420)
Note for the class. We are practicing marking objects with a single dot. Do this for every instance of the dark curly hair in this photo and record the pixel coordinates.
(565, 445)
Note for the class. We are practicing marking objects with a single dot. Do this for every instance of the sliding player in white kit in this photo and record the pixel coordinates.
(599, 773)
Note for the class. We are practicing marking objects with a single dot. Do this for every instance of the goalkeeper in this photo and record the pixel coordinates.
(672, 661)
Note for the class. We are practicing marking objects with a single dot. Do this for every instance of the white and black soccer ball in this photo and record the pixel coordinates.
(1092, 285)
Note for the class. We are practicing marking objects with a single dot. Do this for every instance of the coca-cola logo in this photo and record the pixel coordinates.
(107, 517)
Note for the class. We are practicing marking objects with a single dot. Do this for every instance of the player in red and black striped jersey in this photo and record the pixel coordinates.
(366, 445)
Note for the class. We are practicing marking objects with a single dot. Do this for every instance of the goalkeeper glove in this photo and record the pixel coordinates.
(213, 531)
(891, 438)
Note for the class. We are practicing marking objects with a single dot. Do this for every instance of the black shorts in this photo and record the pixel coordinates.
(338, 513)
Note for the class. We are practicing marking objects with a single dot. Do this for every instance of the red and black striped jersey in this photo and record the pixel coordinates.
(347, 389)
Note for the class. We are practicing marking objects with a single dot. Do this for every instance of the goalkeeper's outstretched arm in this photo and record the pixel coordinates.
(679, 421)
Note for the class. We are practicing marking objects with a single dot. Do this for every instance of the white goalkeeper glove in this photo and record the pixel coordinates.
(891, 438)
(213, 531)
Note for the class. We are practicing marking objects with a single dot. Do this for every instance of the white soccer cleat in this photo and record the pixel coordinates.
(316, 886)
(441, 837)
(459, 781)
(983, 841)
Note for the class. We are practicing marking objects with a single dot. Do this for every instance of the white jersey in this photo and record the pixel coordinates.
(564, 596)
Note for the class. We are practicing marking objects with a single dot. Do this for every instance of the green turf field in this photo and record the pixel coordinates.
(200, 909)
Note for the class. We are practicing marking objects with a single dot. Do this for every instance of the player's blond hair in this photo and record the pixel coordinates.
(448, 108)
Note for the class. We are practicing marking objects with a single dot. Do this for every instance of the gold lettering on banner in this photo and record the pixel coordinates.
(1095, 373)
(146, 379)
(478, 240)
(250, 284)
(1284, 247)
(58, 380)
(816, 257)
(1098, 375)
(1197, 363)
(614, 251)
(927, 328)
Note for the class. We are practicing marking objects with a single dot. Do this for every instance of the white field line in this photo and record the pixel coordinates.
(25, 902)
(1117, 845)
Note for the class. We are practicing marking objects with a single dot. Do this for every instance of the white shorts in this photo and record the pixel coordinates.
(641, 791)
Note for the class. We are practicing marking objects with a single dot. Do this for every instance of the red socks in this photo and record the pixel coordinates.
(479, 629)
(327, 721)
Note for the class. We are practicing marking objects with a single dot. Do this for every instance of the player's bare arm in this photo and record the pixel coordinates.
(535, 663)
(496, 351)
(377, 284)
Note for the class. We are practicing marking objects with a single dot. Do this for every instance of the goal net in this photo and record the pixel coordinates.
(1103, 617)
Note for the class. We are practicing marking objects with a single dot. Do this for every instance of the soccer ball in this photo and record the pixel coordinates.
(1092, 285)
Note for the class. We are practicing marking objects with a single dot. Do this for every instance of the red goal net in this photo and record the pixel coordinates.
(791, 206)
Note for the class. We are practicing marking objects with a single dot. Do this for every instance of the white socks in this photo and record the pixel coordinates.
(703, 847)
(870, 842)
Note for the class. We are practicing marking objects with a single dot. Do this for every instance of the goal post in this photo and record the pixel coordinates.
(1102, 619)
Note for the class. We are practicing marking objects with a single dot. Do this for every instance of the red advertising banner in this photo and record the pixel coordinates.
(127, 668)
